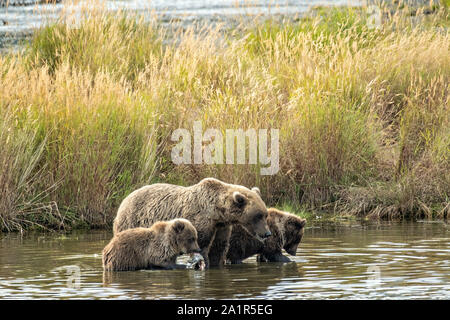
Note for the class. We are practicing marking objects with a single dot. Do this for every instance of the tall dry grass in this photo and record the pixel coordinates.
(87, 113)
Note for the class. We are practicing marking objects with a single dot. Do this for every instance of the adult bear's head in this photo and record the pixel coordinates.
(237, 204)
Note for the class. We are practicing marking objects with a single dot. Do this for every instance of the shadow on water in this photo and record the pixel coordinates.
(334, 261)
(243, 281)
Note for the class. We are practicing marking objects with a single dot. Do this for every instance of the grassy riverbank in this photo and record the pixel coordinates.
(86, 114)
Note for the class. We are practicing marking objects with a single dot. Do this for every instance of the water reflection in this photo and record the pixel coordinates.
(243, 281)
(335, 261)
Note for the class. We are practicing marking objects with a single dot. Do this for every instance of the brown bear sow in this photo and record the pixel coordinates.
(157, 246)
(211, 205)
(287, 232)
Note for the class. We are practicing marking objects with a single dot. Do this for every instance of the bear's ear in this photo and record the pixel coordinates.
(297, 223)
(303, 223)
(178, 226)
(239, 198)
(256, 189)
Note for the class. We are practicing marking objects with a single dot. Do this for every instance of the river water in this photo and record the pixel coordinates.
(409, 260)
(19, 18)
(17, 23)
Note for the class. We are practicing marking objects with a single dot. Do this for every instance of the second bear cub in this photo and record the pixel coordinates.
(287, 232)
(157, 246)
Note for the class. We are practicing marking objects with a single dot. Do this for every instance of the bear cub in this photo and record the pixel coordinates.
(287, 232)
(157, 246)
